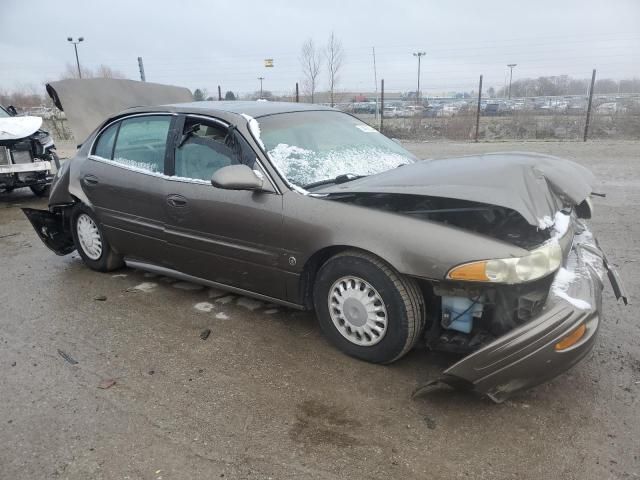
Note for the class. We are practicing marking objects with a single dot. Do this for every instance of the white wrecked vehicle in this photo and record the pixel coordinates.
(27, 153)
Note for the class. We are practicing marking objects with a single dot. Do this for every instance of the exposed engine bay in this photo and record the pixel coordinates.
(498, 222)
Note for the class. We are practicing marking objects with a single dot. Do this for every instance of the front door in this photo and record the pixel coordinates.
(123, 180)
(231, 237)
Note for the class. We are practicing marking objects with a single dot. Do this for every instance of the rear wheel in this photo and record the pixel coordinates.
(90, 242)
(40, 190)
(366, 308)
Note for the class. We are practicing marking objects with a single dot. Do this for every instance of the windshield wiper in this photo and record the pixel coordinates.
(344, 178)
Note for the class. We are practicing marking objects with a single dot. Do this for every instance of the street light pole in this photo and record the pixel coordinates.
(419, 55)
(511, 65)
(75, 46)
(261, 79)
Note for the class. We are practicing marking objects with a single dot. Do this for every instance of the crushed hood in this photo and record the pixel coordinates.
(88, 102)
(15, 128)
(534, 185)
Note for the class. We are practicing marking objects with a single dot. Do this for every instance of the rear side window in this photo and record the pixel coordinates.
(104, 145)
(141, 143)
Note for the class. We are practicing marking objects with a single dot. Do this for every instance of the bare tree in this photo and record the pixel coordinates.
(310, 60)
(101, 71)
(335, 55)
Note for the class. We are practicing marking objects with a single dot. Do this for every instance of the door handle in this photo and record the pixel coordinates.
(177, 201)
(90, 180)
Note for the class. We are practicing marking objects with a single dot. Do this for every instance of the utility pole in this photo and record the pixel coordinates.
(75, 46)
(219, 93)
(381, 104)
(375, 80)
(261, 79)
(297, 93)
(419, 55)
(586, 123)
(141, 68)
(478, 110)
(511, 65)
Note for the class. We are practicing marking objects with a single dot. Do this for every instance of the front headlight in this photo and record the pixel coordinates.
(536, 264)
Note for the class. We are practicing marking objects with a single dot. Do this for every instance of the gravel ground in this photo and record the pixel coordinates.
(265, 396)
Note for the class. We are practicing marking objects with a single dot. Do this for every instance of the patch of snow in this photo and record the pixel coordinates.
(215, 293)
(271, 311)
(225, 300)
(254, 128)
(187, 286)
(14, 128)
(301, 166)
(249, 303)
(222, 316)
(203, 306)
(576, 302)
(119, 275)
(145, 287)
(563, 280)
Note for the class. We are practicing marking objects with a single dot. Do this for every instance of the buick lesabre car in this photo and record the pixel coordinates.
(486, 256)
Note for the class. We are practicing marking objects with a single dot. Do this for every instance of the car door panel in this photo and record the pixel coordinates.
(227, 236)
(127, 192)
(231, 237)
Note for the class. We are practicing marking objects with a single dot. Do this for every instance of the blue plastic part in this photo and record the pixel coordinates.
(458, 313)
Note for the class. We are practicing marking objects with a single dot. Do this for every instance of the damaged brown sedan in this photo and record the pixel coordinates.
(485, 256)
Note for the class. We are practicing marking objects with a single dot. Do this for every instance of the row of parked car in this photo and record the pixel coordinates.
(495, 107)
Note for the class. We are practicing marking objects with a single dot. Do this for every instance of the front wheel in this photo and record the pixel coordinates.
(91, 243)
(366, 308)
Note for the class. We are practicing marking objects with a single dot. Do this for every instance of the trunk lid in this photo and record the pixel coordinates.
(88, 102)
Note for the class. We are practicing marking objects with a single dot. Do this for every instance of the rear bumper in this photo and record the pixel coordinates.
(527, 355)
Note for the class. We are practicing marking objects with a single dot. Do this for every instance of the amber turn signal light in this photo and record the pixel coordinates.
(476, 271)
(571, 339)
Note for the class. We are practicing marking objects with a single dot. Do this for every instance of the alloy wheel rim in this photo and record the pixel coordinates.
(357, 311)
(89, 236)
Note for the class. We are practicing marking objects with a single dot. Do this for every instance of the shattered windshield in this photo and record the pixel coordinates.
(309, 147)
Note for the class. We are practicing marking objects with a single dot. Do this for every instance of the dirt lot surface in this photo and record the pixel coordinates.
(265, 396)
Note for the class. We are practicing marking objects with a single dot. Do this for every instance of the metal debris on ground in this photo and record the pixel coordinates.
(205, 333)
(67, 357)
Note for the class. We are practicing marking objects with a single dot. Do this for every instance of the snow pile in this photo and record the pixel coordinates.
(560, 223)
(301, 166)
(254, 128)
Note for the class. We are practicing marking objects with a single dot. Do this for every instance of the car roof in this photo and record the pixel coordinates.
(251, 108)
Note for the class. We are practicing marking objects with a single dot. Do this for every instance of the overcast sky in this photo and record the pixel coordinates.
(205, 43)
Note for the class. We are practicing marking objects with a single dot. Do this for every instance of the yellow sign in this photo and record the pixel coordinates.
(268, 62)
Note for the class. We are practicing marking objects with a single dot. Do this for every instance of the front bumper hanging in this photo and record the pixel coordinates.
(529, 354)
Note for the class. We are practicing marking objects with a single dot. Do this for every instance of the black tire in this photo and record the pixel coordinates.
(108, 259)
(402, 299)
(40, 190)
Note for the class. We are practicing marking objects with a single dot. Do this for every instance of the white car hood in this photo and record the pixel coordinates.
(15, 128)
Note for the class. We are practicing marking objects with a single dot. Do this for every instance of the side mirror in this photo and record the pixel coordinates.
(237, 177)
(12, 110)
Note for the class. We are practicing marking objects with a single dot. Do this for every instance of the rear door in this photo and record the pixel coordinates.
(123, 179)
(227, 236)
